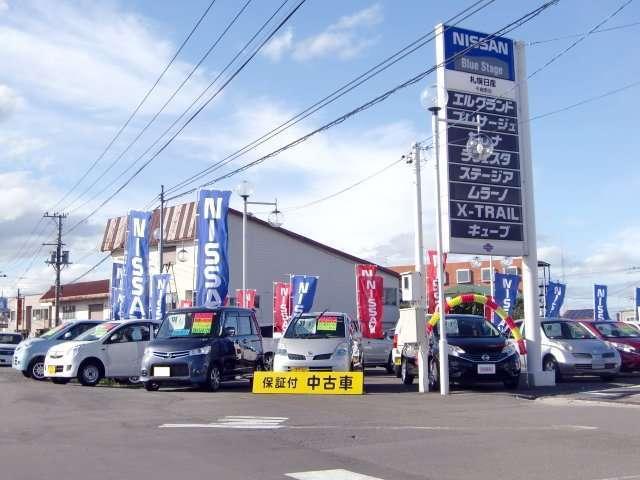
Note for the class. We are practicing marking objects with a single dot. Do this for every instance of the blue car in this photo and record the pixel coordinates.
(28, 356)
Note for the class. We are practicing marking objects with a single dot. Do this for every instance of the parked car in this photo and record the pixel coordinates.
(8, 344)
(477, 353)
(109, 350)
(569, 349)
(204, 347)
(327, 341)
(377, 352)
(29, 354)
(623, 337)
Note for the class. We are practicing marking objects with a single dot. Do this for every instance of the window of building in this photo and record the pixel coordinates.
(231, 301)
(40, 314)
(390, 296)
(485, 274)
(463, 276)
(68, 312)
(405, 282)
(512, 270)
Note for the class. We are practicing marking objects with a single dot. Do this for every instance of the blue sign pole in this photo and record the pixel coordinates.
(136, 266)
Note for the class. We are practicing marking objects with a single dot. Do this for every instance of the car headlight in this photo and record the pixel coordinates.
(341, 350)
(509, 349)
(147, 352)
(282, 351)
(455, 350)
(200, 351)
(622, 346)
(565, 346)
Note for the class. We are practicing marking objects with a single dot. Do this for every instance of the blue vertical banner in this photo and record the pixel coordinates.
(136, 266)
(637, 304)
(303, 291)
(554, 299)
(600, 311)
(159, 288)
(212, 281)
(505, 293)
(4, 304)
(117, 277)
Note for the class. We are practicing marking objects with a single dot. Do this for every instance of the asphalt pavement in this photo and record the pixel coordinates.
(72, 432)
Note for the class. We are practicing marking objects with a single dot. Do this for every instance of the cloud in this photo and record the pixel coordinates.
(15, 146)
(8, 101)
(343, 39)
(4, 6)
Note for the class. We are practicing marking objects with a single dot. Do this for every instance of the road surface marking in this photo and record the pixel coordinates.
(235, 422)
(338, 474)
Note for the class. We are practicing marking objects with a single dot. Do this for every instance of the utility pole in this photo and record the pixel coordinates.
(161, 237)
(59, 259)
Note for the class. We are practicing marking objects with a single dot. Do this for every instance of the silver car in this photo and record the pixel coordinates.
(377, 352)
(569, 349)
(327, 341)
(8, 342)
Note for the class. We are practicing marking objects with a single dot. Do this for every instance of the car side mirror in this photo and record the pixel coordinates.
(67, 336)
(229, 332)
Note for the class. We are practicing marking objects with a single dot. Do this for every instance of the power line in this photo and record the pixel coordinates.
(164, 106)
(193, 116)
(333, 96)
(91, 269)
(566, 37)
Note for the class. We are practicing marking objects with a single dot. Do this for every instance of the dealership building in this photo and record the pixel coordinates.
(273, 253)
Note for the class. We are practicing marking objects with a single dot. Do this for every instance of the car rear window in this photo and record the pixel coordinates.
(189, 324)
(10, 338)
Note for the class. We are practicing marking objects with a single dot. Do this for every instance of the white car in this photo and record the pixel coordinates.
(109, 350)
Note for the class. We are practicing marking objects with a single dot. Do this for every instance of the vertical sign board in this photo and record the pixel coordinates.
(481, 199)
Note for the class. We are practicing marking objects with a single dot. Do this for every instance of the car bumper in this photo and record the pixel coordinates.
(285, 364)
(20, 361)
(60, 368)
(577, 369)
(6, 360)
(461, 369)
(187, 370)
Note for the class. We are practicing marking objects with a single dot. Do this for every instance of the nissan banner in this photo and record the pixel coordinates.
(303, 291)
(281, 305)
(554, 299)
(246, 298)
(505, 293)
(365, 271)
(370, 290)
(117, 277)
(136, 266)
(600, 311)
(432, 279)
(159, 288)
(212, 282)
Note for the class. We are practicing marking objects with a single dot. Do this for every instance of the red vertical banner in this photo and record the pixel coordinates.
(246, 298)
(432, 279)
(370, 290)
(281, 306)
(362, 271)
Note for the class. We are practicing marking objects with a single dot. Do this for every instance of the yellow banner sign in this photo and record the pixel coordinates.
(325, 383)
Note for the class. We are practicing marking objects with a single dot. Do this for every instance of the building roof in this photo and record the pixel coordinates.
(579, 314)
(179, 225)
(79, 291)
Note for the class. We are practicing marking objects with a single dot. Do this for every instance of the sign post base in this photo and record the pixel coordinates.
(541, 379)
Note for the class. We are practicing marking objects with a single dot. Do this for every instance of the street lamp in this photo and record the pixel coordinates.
(275, 219)
(432, 98)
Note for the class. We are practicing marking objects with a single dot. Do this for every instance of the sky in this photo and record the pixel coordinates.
(74, 71)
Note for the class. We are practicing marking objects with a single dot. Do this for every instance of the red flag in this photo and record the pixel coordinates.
(432, 279)
(366, 271)
(370, 290)
(281, 306)
(246, 298)
(185, 304)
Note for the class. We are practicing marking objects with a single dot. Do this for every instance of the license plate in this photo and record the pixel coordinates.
(598, 366)
(298, 369)
(486, 369)
(397, 361)
(161, 372)
(51, 369)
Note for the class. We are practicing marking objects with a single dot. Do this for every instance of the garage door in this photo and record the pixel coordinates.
(96, 311)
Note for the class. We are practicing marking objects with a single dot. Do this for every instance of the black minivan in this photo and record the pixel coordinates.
(204, 347)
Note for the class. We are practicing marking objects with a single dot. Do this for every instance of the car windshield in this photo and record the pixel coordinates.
(617, 330)
(565, 331)
(10, 338)
(97, 332)
(53, 331)
(188, 324)
(313, 326)
(464, 327)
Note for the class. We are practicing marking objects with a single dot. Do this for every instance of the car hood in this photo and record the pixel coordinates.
(9, 346)
(634, 342)
(586, 345)
(478, 345)
(177, 344)
(65, 347)
(310, 346)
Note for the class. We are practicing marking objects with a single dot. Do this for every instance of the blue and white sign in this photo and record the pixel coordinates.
(554, 299)
(505, 294)
(484, 208)
(136, 266)
(212, 283)
(600, 311)
(159, 289)
(117, 291)
(4, 304)
(303, 291)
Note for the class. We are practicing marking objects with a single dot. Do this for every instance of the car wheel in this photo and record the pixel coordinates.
(36, 369)
(512, 383)
(151, 386)
(434, 374)
(397, 370)
(89, 374)
(549, 364)
(60, 381)
(407, 378)
(389, 367)
(608, 377)
(214, 379)
(133, 380)
(268, 363)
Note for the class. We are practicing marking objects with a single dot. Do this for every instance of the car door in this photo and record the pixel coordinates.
(249, 341)
(229, 344)
(145, 337)
(121, 351)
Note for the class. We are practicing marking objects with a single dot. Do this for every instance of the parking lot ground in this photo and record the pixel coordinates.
(392, 432)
